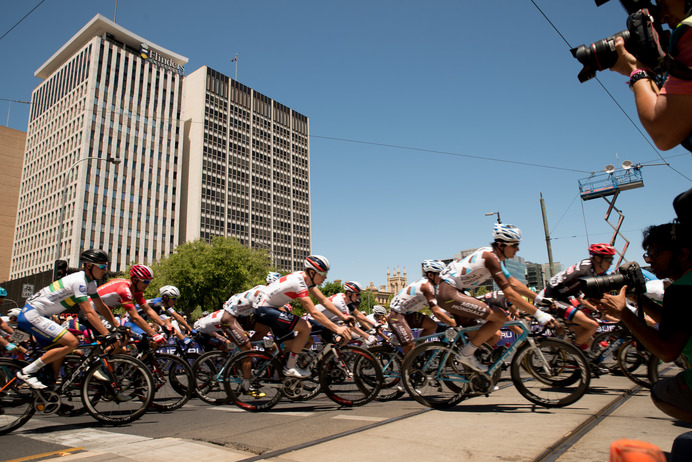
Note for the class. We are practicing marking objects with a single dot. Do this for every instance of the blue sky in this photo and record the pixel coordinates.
(424, 116)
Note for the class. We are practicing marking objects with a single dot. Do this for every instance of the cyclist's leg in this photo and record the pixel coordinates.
(585, 330)
(47, 333)
(401, 330)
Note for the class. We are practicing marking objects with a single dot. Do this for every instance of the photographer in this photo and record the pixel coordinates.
(669, 253)
(664, 113)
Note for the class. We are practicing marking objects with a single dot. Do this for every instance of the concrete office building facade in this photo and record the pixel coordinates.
(106, 93)
(246, 168)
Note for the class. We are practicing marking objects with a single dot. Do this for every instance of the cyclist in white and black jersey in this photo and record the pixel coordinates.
(72, 291)
(346, 304)
(298, 285)
(405, 308)
(470, 272)
(565, 290)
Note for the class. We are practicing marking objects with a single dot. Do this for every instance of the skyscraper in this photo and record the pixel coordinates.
(246, 168)
(106, 93)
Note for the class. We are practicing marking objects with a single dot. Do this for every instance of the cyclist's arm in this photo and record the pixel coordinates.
(92, 317)
(141, 323)
(318, 316)
(181, 320)
(521, 288)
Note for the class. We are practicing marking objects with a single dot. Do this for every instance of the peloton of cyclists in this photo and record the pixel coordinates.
(405, 308)
(297, 285)
(468, 273)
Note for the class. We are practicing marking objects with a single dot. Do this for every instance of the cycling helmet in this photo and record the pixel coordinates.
(14, 312)
(506, 233)
(94, 256)
(601, 249)
(271, 277)
(141, 272)
(318, 263)
(171, 291)
(352, 286)
(432, 266)
(379, 310)
(3, 292)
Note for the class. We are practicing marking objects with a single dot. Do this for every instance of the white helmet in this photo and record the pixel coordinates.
(432, 266)
(14, 312)
(272, 276)
(506, 233)
(318, 263)
(171, 291)
(379, 310)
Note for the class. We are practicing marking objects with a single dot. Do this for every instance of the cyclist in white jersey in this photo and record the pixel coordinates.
(73, 290)
(346, 304)
(469, 273)
(405, 307)
(210, 333)
(298, 285)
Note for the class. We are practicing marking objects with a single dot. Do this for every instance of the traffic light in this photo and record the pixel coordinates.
(60, 269)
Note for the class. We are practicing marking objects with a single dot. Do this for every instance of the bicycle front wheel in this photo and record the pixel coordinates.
(117, 390)
(553, 374)
(432, 376)
(351, 376)
(657, 369)
(634, 363)
(208, 373)
(16, 397)
(173, 381)
(261, 390)
(391, 361)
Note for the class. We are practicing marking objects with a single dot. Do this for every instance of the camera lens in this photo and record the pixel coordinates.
(595, 286)
(598, 56)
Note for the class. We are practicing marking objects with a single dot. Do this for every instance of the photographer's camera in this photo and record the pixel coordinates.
(629, 274)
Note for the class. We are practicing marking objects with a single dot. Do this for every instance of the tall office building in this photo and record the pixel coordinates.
(106, 93)
(246, 168)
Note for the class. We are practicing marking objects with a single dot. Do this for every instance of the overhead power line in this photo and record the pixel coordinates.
(25, 16)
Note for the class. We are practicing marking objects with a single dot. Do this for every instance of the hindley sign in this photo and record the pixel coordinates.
(158, 59)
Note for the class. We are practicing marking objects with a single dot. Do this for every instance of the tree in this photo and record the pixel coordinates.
(207, 274)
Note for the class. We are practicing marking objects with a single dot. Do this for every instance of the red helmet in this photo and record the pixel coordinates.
(601, 249)
(141, 272)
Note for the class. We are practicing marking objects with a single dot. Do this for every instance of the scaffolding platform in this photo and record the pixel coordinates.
(608, 184)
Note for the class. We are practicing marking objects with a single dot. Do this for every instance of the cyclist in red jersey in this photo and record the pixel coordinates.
(127, 292)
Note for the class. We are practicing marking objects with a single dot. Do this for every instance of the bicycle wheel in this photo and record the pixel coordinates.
(208, 375)
(553, 374)
(634, 363)
(351, 376)
(71, 396)
(16, 397)
(391, 361)
(658, 369)
(117, 390)
(173, 382)
(262, 391)
(433, 378)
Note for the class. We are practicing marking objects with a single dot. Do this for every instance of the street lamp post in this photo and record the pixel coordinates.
(494, 213)
(58, 248)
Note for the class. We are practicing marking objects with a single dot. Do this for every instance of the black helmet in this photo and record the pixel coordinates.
(94, 256)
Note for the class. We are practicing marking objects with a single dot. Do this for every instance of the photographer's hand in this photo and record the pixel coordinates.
(614, 304)
(626, 62)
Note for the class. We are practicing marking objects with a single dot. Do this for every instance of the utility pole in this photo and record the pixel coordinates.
(547, 239)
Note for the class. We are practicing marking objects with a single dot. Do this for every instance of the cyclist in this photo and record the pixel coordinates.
(470, 272)
(405, 307)
(163, 306)
(565, 290)
(73, 289)
(125, 292)
(297, 285)
(378, 319)
(346, 304)
(6, 330)
(210, 333)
